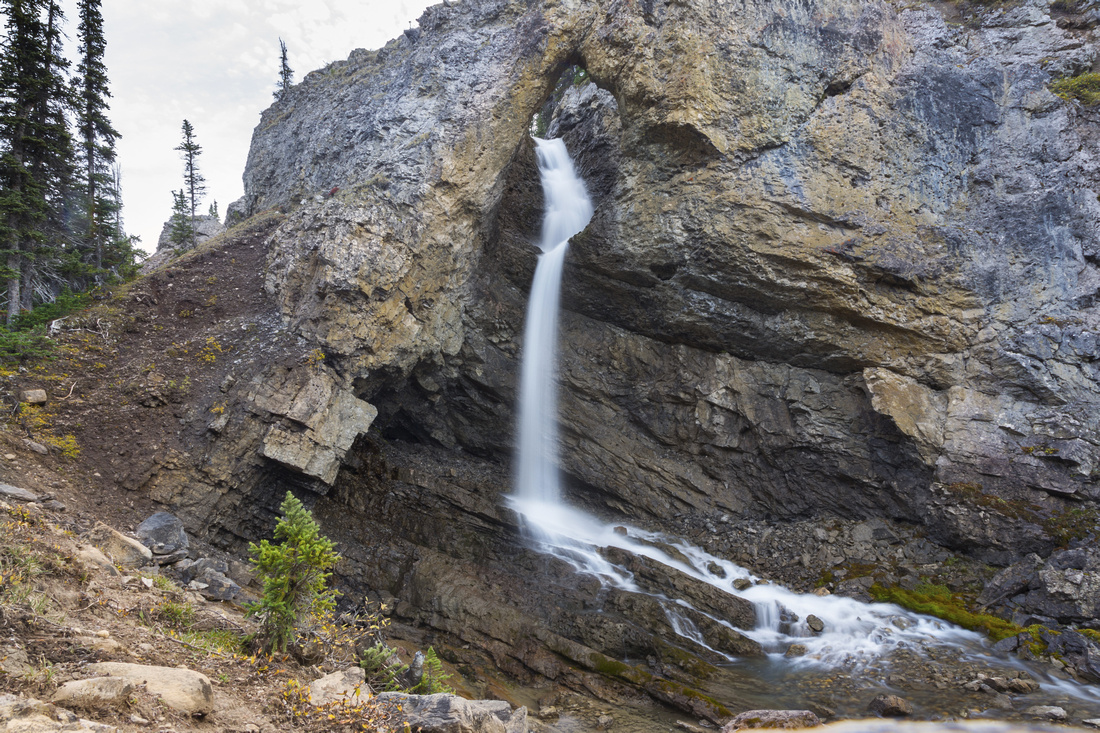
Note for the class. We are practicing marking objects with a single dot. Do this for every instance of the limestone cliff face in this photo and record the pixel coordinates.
(844, 255)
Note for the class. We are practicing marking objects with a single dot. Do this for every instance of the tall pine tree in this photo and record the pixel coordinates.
(97, 137)
(36, 160)
(193, 182)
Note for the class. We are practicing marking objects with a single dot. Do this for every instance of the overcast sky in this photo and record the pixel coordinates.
(214, 62)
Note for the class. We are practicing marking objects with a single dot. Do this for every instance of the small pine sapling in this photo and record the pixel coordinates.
(294, 574)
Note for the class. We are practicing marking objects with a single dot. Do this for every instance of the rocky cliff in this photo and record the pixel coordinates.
(843, 254)
(843, 264)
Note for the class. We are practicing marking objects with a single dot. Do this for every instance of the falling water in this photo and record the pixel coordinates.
(855, 632)
(568, 210)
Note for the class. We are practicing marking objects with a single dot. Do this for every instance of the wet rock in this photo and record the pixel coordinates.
(605, 722)
(163, 534)
(796, 650)
(181, 689)
(658, 577)
(742, 584)
(1046, 712)
(890, 706)
(772, 719)
(816, 625)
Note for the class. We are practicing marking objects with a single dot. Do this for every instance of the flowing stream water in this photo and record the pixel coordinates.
(855, 635)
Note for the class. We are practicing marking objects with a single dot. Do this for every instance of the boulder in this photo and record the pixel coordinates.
(772, 719)
(890, 706)
(122, 550)
(97, 692)
(163, 534)
(445, 713)
(7, 491)
(181, 689)
(345, 686)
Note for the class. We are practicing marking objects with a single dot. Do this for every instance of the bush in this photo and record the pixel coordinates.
(294, 574)
(1084, 88)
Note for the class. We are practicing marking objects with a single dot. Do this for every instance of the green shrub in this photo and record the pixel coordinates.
(1084, 87)
(294, 574)
(434, 679)
(381, 674)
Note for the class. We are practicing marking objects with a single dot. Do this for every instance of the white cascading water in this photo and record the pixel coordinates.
(855, 632)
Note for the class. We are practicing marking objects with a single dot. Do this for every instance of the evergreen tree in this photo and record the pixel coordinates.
(101, 196)
(181, 231)
(36, 159)
(295, 573)
(193, 182)
(286, 74)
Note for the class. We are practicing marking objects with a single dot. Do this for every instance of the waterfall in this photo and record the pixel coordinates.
(568, 210)
(855, 633)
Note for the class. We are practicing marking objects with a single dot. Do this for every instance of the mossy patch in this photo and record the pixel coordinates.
(1085, 88)
(941, 602)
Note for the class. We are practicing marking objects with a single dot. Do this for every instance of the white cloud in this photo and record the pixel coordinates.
(214, 62)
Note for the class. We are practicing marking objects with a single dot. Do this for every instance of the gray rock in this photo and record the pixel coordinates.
(7, 491)
(215, 586)
(1046, 712)
(890, 706)
(162, 533)
(816, 625)
(35, 446)
(772, 719)
(796, 650)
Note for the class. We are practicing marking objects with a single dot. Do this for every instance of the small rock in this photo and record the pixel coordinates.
(35, 446)
(9, 456)
(215, 586)
(604, 722)
(1046, 712)
(822, 592)
(171, 558)
(890, 706)
(816, 625)
(1092, 722)
(742, 584)
(33, 396)
(548, 713)
(796, 650)
(14, 662)
(103, 634)
(147, 582)
(98, 692)
(138, 720)
(772, 719)
(620, 530)
(54, 505)
(348, 686)
(100, 644)
(14, 492)
(1022, 686)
